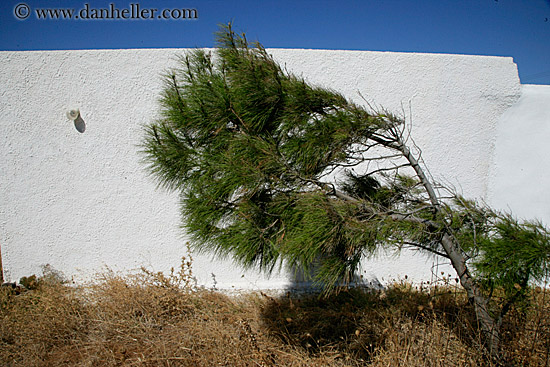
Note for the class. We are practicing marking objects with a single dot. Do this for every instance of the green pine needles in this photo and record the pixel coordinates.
(247, 144)
(267, 165)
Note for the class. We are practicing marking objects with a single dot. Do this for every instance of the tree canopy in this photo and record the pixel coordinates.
(272, 169)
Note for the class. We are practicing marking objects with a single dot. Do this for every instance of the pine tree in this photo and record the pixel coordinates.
(266, 167)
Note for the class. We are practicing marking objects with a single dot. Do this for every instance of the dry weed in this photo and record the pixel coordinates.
(151, 319)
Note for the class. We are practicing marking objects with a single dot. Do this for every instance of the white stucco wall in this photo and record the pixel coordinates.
(82, 201)
(520, 178)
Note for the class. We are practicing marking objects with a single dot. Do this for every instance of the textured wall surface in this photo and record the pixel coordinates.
(519, 180)
(82, 202)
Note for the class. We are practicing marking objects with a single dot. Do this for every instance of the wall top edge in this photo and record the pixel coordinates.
(312, 50)
(540, 87)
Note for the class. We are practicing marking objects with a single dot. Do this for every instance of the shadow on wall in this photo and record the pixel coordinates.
(302, 280)
(80, 125)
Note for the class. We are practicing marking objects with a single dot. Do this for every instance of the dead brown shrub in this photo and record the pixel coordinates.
(151, 319)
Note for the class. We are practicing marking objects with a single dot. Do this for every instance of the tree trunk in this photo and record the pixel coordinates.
(488, 324)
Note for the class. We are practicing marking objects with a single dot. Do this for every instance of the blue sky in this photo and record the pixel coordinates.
(517, 28)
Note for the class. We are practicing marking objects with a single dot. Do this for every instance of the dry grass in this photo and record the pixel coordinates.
(155, 320)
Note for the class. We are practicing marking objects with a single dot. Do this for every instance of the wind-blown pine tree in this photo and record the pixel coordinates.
(266, 167)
